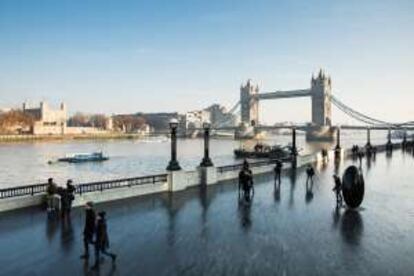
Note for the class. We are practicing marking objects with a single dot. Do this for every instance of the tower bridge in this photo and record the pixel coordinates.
(320, 92)
(320, 126)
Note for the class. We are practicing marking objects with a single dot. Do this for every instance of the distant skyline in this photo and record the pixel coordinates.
(107, 56)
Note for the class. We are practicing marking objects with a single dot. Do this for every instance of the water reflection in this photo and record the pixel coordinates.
(66, 234)
(205, 197)
(352, 227)
(52, 224)
(292, 178)
(276, 193)
(336, 215)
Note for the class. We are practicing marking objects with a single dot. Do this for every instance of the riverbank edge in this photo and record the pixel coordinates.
(176, 181)
(32, 137)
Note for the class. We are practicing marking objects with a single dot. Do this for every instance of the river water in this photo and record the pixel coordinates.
(25, 163)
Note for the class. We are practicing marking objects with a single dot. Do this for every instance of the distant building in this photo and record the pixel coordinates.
(195, 119)
(47, 120)
(160, 121)
(220, 117)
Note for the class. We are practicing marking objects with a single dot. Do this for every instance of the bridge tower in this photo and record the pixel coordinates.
(249, 104)
(321, 90)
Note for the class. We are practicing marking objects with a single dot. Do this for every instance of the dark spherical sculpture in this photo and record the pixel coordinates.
(353, 187)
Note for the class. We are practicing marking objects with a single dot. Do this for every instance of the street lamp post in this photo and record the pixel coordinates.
(206, 162)
(173, 165)
(294, 150)
(338, 139)
(388, 146)
(368, 137)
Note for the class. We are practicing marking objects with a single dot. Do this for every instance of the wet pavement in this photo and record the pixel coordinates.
(293, 230)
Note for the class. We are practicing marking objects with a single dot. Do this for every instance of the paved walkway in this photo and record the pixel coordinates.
(208, 232)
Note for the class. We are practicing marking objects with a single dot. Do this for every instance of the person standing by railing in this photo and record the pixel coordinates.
(71, 193)
(66, 197)
(51, 196)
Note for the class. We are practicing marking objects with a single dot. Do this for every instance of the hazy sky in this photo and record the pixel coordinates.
(128, 56)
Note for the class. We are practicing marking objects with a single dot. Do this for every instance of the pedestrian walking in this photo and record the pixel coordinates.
(246, 180)
(102, 240)
(337, 189)
(310, 172)
(278, 171)
(89, 229)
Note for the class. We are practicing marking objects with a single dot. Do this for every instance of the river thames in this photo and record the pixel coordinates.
(26, 163)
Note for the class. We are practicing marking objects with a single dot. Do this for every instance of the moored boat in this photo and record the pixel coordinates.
(84, 157)
(264, 151)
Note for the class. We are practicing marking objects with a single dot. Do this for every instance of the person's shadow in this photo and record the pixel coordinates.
(352, 227)
(292, 178)
(277, 191)
(52, 224)
(309, 191)
(67, 237)
(245, 214)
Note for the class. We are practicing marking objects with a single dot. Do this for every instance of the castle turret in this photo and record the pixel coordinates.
(249, 103)
(321, 90)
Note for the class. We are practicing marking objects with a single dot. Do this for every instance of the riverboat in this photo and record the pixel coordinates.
(264, 151)
(84, 157)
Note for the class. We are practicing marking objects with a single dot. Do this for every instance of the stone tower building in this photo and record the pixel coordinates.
(321, 91)
(249, 103)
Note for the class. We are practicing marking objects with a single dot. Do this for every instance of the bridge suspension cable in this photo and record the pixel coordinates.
(364, 118)
(224, 122)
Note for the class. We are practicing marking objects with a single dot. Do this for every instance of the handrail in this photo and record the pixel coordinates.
(234, 167)
(85, 187)
(23, 190)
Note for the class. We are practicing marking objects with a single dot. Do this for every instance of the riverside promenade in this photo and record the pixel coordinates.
(207, 231)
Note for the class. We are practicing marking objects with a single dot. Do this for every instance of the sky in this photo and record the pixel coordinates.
(110, 56)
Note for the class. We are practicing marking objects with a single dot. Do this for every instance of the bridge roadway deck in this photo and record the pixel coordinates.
(293, 231)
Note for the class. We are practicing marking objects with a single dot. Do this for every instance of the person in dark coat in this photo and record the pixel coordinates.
(310, 172)
(89, 230)
(65, 203)
(102, 240)
(52, 198)
(246, 180)
(70, 193)
(278, 171)
(337, 189)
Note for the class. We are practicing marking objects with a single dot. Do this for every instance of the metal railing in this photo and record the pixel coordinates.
(120, 183)
(85, 187)
(235, 167)
(23, 190)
